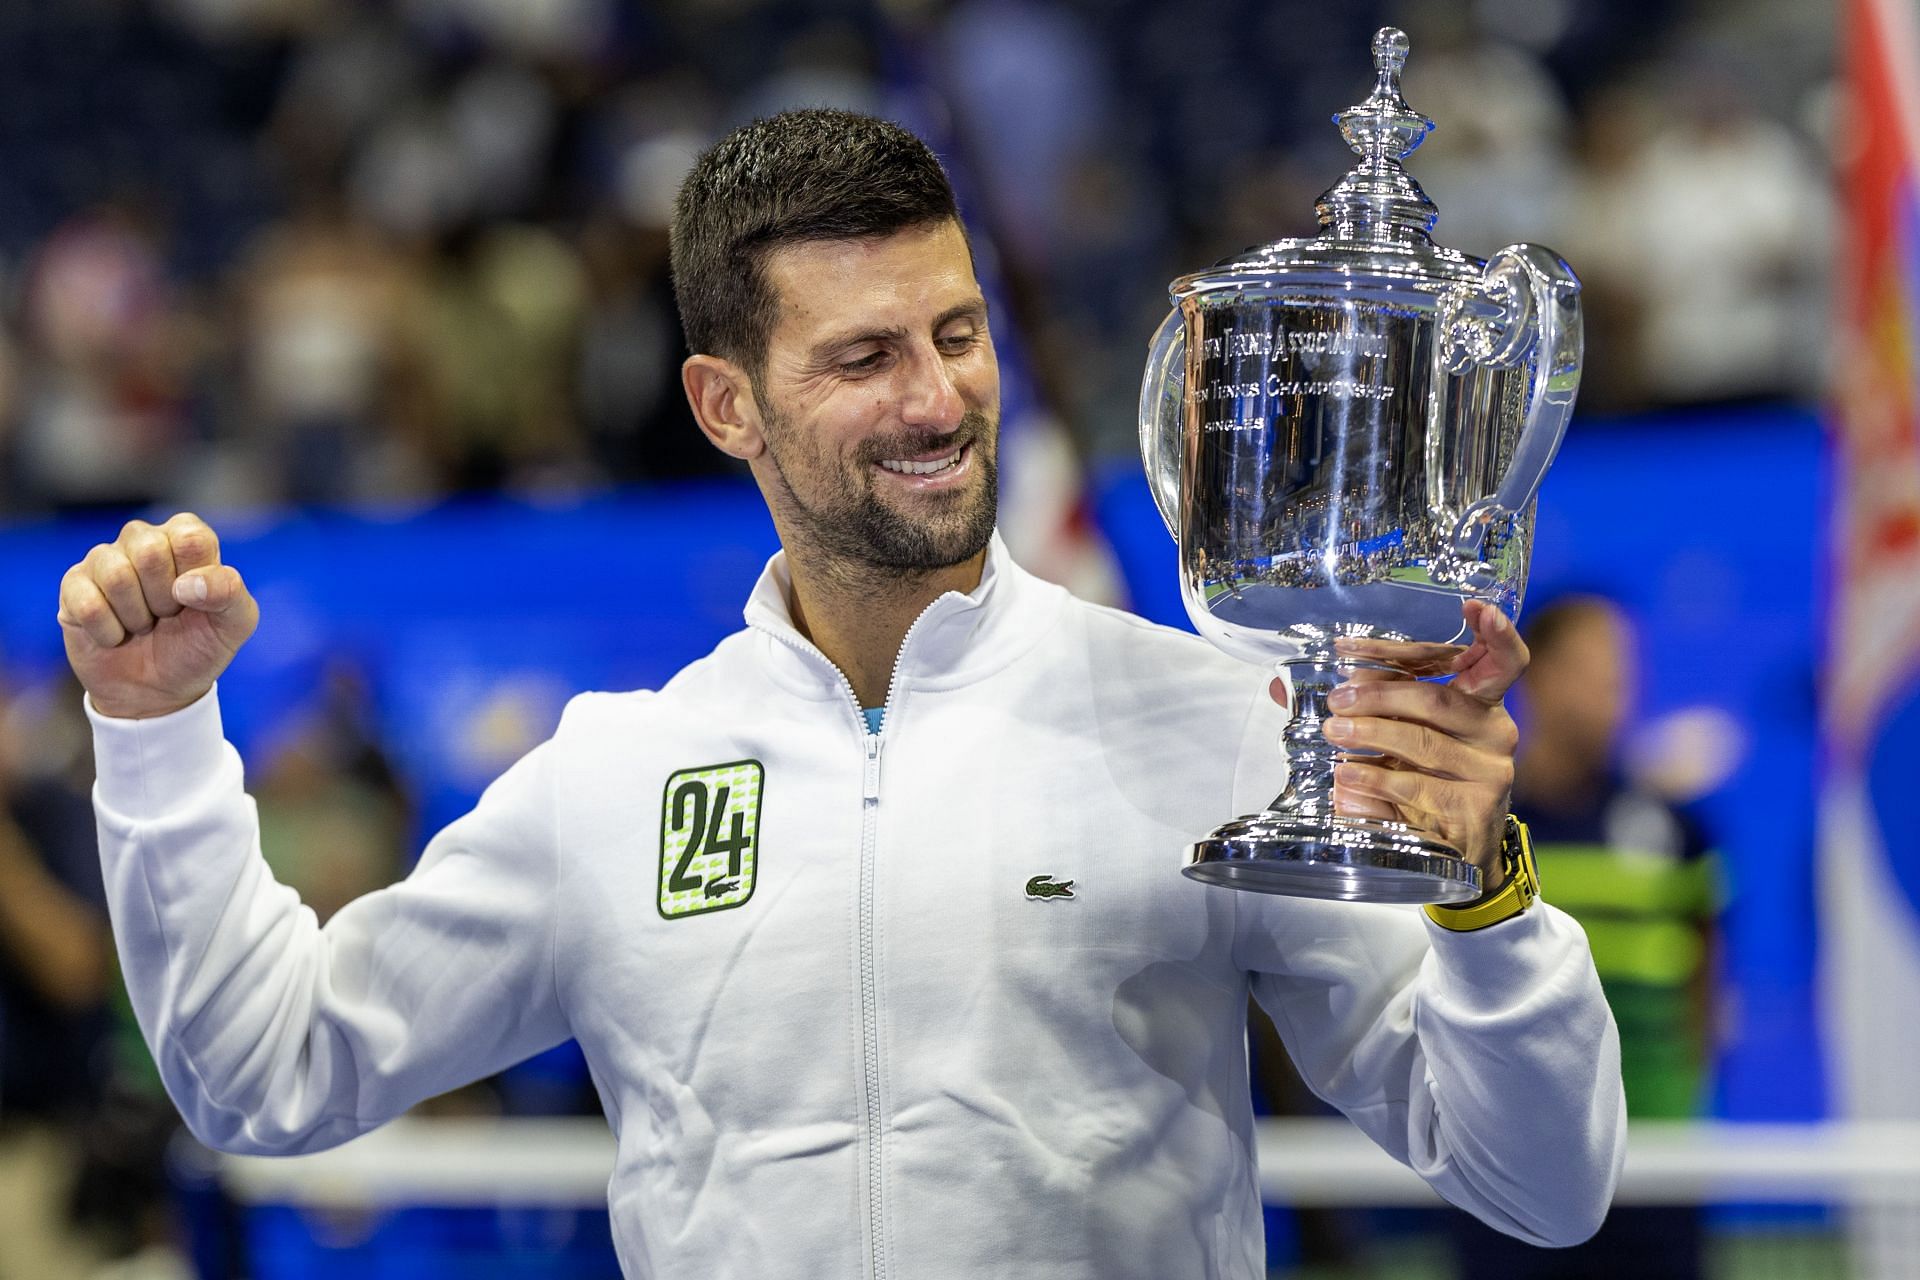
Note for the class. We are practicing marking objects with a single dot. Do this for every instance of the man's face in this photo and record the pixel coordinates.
(1581, 691)
(880, 399)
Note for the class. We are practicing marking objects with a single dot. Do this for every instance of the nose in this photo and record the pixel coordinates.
(931, 398)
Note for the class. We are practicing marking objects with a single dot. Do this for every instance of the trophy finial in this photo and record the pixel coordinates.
(1378, 201)
(1384, 126)
(1390, 46)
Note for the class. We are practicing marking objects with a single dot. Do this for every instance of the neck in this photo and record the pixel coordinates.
(858, 614)
(1556, 775)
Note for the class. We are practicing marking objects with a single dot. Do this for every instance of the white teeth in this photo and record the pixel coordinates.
(922, 468)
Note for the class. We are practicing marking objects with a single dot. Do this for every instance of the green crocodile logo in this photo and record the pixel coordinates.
(1042, 888)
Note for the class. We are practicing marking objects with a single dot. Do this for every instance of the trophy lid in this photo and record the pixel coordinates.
(1375, 223)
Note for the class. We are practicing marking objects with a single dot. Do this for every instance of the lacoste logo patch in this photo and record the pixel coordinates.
(1046, 888)
(710, 838)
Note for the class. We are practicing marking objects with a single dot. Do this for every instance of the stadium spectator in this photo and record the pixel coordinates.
(1641, 879)
(56, 980)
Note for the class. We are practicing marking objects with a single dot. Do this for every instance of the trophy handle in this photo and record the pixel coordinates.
(1163, 394)
(1538, 297)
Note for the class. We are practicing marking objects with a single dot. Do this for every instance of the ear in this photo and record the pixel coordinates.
(721, 395)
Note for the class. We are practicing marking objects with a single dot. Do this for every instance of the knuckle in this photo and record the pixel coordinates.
(149, 552)
(133, 529)
(194, 542)
(188, 528)
(116, 576)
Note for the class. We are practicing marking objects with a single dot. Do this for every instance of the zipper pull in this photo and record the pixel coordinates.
(873, 768)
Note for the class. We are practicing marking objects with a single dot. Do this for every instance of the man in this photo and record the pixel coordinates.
(1642, 881)
(56, 984)
(869, 923)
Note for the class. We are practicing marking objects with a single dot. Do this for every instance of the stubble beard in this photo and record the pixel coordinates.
(851, 524)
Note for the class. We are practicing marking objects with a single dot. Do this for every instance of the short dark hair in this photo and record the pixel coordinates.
(813, 174)
(1547, 624)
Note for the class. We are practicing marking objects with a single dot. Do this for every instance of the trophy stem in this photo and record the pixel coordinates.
(1310, 757)
(1300, 846)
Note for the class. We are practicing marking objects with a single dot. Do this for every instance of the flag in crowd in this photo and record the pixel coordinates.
(1870, 824)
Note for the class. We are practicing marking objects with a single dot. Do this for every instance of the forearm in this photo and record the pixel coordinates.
(220, 961)
(1527, 1115)
(1488, 1061)
(272, 1034)
(59, 942)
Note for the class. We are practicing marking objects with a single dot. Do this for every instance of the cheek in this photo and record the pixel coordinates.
(983, 383)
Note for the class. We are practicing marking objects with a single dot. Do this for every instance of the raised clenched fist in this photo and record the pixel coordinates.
(152, 618)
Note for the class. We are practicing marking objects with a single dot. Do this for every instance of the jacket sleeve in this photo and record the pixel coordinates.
(274, 1035)
(1488, 1062)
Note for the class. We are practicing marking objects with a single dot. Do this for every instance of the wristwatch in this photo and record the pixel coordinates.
(1512, 898)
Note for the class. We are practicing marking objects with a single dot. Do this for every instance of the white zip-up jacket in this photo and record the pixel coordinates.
(934, 1002)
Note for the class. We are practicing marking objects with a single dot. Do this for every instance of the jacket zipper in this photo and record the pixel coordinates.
(871, 743)
(869, 978)
(870, 1006)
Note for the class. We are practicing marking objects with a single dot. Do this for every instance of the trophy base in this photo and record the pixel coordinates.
(1349, 859)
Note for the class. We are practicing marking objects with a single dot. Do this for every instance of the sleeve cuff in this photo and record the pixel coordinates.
(148, 768)
(1485, 969)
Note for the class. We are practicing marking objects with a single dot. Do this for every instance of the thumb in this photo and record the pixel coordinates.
(214, 589)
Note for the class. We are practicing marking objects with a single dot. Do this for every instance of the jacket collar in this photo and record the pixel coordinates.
(956, 640)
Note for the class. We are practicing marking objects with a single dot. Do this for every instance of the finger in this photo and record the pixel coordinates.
(1415, 659)
(1408, 794)
(1459, 813)
(1502, 655)
(1349, 804)
(195, 544)
(1441, 706)
(1421, 747)
(84, 608)
(211, 590)
(150, 552)
(1371, 673)
(114, 574)
(1277, 690)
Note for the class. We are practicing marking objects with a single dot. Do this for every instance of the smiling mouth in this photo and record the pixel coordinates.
(929, 467)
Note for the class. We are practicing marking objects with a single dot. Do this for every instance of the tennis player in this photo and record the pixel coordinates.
(869, 922)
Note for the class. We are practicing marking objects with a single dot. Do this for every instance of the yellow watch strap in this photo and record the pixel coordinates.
(1514, 897)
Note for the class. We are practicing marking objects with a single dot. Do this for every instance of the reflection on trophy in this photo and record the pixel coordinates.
(1345, 434)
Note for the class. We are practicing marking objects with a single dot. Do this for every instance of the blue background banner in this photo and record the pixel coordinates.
(472, 622)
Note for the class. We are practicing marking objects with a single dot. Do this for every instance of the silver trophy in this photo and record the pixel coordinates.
(1345, 434)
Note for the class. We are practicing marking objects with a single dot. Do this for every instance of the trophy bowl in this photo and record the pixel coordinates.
(1345, 434)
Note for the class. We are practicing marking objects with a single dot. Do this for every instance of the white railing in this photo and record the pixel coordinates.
(1302, 1162)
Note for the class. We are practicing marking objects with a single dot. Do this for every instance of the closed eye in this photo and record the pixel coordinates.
(869, 363)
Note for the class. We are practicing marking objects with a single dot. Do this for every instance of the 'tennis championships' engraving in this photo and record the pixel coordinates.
(1274, 386)
(1366, 349)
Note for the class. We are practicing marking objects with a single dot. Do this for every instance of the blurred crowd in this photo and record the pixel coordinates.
(334, 251)
(94, 1169)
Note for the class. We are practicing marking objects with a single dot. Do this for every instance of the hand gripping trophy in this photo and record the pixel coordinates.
(1345, 435)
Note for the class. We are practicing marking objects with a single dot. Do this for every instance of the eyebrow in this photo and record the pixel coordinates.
(974, 307)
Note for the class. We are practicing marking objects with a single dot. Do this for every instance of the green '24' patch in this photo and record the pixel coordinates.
(709, 838)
